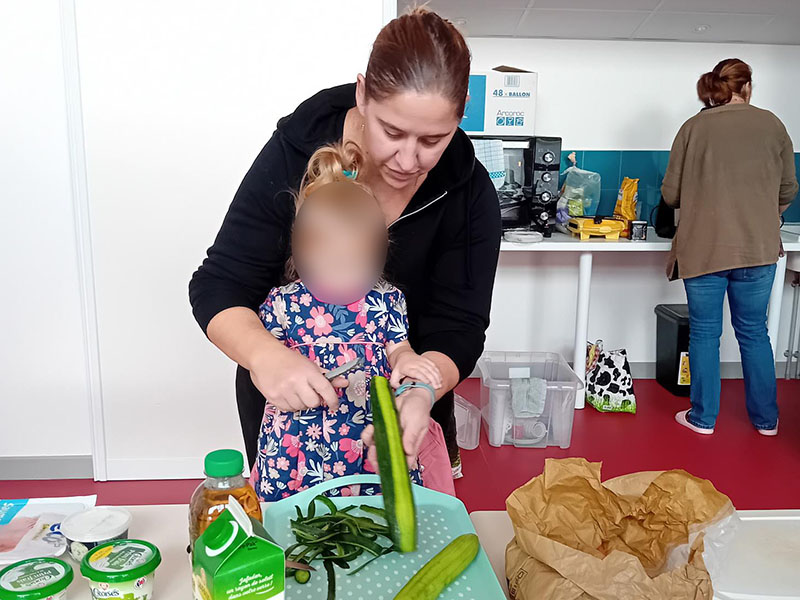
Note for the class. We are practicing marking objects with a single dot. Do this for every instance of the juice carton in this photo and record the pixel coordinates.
(235, 559)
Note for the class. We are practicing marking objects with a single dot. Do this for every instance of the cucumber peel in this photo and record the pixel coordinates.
(398, 498)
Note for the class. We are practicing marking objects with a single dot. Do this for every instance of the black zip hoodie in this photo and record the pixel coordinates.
(443, 248)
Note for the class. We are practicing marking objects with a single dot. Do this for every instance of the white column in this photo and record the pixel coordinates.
(775, 300)
(582, 322)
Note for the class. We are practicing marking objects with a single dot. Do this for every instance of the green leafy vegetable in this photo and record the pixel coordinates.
(337, 538)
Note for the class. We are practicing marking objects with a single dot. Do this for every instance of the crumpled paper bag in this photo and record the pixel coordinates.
(579, 538)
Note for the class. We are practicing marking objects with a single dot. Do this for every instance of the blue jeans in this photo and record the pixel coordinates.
(748, 296)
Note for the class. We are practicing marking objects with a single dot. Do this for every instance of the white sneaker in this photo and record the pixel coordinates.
(681, 418)
(769, 432)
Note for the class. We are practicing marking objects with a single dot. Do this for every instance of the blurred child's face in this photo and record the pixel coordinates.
(339, 243)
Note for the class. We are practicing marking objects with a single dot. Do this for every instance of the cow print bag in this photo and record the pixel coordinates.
(609, 383)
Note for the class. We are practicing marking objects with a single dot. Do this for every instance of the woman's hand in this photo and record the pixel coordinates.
(414, 412)
(291, 382)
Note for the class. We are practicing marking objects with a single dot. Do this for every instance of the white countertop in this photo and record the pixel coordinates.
(166, 526)
(562, 242)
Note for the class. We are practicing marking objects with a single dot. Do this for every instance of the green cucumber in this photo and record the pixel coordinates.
(395, 481)
(442, 570)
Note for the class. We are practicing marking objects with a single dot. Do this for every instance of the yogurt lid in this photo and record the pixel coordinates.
(96, 524)
(120, 561)
(35, 579)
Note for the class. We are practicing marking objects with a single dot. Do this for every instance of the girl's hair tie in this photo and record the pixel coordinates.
(350, 174)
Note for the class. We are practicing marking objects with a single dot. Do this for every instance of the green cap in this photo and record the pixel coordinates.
(120, 561)
(35, 579)
(224, 463)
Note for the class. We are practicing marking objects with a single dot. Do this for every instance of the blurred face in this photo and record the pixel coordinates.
(339, 252)
(405, 134)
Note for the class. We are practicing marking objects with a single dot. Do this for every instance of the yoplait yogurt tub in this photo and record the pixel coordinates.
(36, 579)
(121, 570)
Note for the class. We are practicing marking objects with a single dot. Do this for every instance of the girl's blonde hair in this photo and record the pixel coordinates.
(334, 163)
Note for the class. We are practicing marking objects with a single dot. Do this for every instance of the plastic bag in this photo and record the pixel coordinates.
(580, 191)
(609, 382)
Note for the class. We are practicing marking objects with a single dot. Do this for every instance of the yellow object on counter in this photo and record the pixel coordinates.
(586, 227)
(627, 198)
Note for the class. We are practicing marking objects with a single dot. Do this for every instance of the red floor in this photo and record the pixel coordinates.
(756, 472)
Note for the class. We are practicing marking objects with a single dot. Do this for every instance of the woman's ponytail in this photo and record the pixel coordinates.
(729, 77)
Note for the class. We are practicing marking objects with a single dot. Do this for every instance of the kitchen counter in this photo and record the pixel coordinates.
(752, 561)
(561, 242)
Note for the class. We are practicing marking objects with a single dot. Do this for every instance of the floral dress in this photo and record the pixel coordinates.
(297, 450)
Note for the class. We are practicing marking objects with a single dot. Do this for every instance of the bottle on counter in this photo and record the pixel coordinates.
(223, 469)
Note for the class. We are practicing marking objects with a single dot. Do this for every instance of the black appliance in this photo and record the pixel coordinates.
(545, 160)
(529, 192)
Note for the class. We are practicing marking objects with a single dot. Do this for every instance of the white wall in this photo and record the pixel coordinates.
(604, 95)
(178, 98)
(43, 383)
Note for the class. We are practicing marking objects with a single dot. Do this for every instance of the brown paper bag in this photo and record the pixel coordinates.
(576, 537)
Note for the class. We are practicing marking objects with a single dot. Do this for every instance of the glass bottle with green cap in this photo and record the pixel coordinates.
(223, 469)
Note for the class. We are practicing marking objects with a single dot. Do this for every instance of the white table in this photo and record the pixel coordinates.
(756, 550)
(763, 558)
(561, 242)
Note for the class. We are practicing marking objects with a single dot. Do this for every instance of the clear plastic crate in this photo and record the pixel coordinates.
(468, 423)
(553, 427)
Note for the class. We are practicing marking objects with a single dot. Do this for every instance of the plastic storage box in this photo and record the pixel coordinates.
(553, 427)
(672, 348)
(468, 423)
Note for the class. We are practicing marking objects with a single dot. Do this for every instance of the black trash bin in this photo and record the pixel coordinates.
(672, 347)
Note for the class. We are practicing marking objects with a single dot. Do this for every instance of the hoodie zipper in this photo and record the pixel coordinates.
(420, 209)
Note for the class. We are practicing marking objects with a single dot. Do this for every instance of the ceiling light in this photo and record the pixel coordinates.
(702, 28)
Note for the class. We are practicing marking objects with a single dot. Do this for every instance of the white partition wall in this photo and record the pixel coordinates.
(178, 99)
(44, 406)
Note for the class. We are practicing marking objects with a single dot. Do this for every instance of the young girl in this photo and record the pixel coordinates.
(335, 308)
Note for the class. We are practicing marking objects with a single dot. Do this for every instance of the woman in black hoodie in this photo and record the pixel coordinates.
(440, 207)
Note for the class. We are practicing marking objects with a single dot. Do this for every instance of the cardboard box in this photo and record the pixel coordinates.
(502, 102)
(234, 559)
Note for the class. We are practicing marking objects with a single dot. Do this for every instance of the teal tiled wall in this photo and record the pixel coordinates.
(646, 165)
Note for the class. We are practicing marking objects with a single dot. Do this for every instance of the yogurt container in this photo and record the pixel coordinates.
(121, 570)
(36, 579)
(94, 527)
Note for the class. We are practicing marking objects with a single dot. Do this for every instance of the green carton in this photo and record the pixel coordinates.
(235, 559)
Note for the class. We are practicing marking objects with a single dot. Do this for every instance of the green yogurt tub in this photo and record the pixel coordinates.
(121, 570)
(36, 579)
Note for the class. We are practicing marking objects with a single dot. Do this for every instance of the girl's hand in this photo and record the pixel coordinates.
(410, 364)
(291, 382)
(414, 412)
